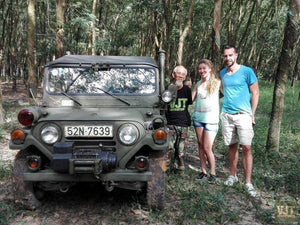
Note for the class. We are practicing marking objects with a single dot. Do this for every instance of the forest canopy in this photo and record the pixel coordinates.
(139, 27)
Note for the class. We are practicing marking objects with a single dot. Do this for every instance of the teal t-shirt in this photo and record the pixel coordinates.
(237, 95)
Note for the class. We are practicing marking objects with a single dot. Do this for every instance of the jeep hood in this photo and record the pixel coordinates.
(94, 115)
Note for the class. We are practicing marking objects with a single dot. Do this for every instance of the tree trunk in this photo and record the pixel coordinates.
(168, 30)
(32, 79)
(92, 35)
(1, 106)
(60, 12)
(216, 40)
(184, 33)
(283, 69)
(246, 31)
(296, 72)
(100, 25)
(261, 29)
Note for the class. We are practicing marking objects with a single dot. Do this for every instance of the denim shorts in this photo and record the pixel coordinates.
(207, 126)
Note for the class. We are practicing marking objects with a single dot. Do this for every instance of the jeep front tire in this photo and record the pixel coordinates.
(23, 190)
(156, 187)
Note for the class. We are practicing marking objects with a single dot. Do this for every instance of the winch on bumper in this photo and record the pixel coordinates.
(67, 159)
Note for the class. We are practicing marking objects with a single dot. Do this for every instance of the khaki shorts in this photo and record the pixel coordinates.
(237, 127)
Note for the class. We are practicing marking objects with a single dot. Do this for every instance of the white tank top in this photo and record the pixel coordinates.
(207, 106)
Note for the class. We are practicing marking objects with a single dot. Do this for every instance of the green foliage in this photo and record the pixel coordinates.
(278, 171)
(136, 27)
(11, 110)
(191, 202)
(1, 134)
(5, 213)
(265, 216)
(6, 210)
(5, 172)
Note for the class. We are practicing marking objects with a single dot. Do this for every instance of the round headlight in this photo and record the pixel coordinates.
(167, 96)
(128, 134)
(50, 134)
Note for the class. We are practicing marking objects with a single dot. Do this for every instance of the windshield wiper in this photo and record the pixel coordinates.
(114, 96)
(72, 82)
(70, 97)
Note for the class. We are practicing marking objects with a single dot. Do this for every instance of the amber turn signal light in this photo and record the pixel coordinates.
(17, 136)
(160, 136)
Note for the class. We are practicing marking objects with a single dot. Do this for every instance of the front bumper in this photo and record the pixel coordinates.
(117, 175)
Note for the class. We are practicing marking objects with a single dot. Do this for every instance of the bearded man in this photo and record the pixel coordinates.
(241, 94)
(178, 118)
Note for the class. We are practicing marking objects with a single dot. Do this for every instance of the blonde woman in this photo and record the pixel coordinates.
(206, 116)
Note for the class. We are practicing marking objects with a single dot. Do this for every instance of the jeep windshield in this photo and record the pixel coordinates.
(92, 80)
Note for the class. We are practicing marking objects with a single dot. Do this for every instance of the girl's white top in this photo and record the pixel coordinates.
(207, 106)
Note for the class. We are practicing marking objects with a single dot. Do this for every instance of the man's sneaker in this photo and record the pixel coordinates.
(212, 179)
(231, 180)
(201, 176)
(250, 189)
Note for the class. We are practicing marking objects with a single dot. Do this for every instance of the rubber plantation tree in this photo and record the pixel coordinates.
(92, 33)
(296, 73)
(60, 12)
(216, 39)
(291, 36)
(32, 79)
(169, 18)
(1, 107)
(183, 33)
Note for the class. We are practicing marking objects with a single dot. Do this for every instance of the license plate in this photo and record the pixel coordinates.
(88, 131)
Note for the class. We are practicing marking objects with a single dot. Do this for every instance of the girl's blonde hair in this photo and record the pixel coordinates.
(214, 82)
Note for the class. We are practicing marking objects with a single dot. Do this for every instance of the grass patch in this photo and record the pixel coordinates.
(6, 209)
(275, 174)
(5, 172)
(11, 110)
(278, 171)
(191, 202)
(6, 212)
(1, 134)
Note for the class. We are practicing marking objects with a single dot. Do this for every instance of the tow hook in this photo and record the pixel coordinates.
(63, 188)
(109, 185)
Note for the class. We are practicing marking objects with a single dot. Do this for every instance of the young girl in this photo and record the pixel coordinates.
(206, 116)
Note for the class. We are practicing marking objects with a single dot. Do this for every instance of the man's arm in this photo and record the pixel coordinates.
(188, 83)
(194, 92)
(254, 90)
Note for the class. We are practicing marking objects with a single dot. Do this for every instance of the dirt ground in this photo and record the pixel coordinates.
(86, 204)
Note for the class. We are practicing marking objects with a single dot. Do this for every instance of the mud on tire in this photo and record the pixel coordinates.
(156, 187)
(23, 191)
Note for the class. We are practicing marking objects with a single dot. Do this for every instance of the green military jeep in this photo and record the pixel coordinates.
(101, 120)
